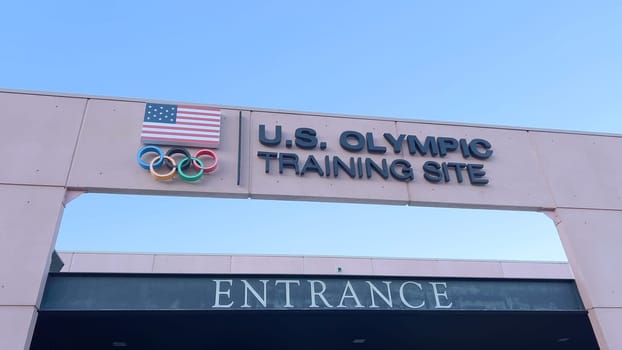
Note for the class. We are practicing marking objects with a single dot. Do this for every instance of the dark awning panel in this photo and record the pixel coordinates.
(198, 312)
(96, 292)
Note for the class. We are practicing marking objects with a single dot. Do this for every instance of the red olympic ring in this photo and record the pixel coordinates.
(209, 153)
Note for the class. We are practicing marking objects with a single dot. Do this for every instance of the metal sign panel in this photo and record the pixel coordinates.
(227, 292)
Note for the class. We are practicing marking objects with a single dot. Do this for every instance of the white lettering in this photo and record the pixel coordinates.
(404, 299)
(319, 294)
(387, 298)
(437, 295)
(287, 294)
(220, 292)
(352, 295)
(248, 287)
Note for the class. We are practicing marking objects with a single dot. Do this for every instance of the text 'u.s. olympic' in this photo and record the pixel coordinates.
(468, 169)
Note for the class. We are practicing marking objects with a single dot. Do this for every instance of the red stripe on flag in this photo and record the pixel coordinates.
(199, 107)
(197, 118)
(149, 127)
(198, 113)
(199, 134)
(150, 138)
(198, 124)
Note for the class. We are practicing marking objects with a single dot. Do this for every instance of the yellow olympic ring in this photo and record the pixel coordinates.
(162, 177)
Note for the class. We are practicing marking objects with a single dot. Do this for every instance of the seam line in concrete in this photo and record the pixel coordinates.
(585, 208)
(75, 145)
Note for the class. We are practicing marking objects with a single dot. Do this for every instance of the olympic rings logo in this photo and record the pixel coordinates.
(174, 166)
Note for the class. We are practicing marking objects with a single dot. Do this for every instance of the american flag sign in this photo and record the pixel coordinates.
(180, 125)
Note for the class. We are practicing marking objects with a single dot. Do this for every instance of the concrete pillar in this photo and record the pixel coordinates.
(592, 240)
(38, 137)
(29, 220)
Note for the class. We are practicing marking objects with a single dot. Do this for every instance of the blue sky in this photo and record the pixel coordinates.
(543, 64)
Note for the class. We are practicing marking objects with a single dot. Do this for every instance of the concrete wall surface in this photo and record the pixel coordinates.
(59, 145)
(308, 265)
